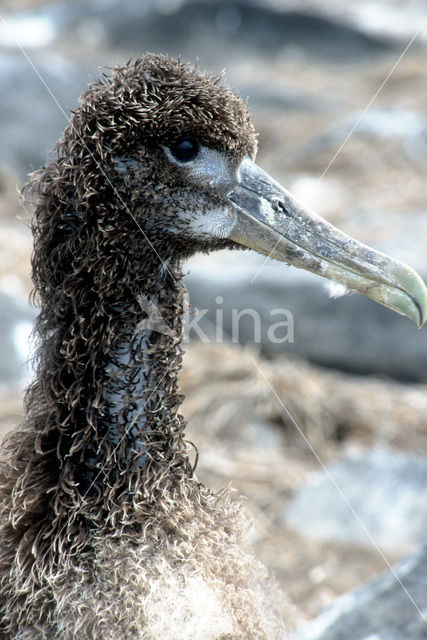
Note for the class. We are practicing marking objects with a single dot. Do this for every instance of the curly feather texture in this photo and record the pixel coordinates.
(104, 531)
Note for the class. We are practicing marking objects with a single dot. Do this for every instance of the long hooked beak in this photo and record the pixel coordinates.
(271, 221)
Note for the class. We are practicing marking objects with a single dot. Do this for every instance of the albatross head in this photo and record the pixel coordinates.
(180, 151)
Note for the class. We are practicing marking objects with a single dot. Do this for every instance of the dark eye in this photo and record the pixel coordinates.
(185, 149)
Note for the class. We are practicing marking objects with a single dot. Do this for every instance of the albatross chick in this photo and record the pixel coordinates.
(105, 531)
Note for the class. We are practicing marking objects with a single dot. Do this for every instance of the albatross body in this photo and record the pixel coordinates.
(105, 531)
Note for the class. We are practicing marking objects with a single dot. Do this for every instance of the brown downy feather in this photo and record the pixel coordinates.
(104, 530)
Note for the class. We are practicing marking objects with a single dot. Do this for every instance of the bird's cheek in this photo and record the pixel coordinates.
(214, 223)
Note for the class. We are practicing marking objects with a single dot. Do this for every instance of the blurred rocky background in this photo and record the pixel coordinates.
(325, 434)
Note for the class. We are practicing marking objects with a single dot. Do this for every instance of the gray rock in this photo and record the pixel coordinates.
(373, 497)
(16, 320)
(254, 26)
(190, 26)
(31, 120)
(407, 126)
(351, 333)
(391, 607)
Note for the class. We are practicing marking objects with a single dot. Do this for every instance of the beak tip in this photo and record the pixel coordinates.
(422, 320)
(413, 303)
(421, 304)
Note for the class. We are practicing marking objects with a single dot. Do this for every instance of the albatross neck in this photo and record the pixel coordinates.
(122, 403)
(140, 373)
